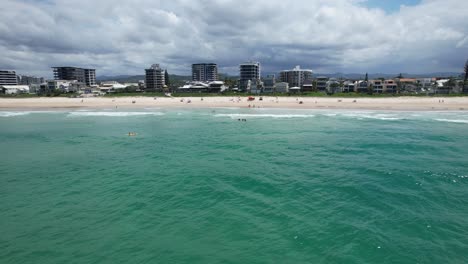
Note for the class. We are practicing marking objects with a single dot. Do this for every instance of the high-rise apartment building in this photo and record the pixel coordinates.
(154, 78)
(28, 80)
(296, 76)
(90, 77)
(249, 73)
(87, 76)
(204, 72)
(8, 78)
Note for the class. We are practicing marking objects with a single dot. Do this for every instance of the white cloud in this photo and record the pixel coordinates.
(125, 37)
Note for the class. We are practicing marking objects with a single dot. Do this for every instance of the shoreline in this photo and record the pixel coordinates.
(320, 103)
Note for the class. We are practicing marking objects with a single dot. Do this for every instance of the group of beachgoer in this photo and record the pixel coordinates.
(253, 106)
(242, 119)
(238, 100)
(441, 101)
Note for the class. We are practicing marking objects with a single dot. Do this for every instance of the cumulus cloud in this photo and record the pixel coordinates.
(125, 37)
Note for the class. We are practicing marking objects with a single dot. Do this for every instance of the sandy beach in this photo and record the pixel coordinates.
(396, 103)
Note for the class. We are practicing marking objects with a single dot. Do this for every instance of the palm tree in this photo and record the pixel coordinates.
(466, 77)
(399, 88)
(333, 87)
(314, 85)
(370, 89)
(166, 78)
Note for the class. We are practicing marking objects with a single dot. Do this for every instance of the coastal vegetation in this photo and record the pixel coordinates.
(230, 94)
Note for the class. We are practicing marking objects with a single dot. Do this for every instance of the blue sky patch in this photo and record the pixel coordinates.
(390, 6)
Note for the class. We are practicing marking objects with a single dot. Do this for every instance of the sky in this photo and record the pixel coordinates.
(327, 36)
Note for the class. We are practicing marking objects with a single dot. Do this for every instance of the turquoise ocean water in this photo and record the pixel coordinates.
(199, 186)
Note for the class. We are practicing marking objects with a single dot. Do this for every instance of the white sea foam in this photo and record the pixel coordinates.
(234, 116)
(151, 108)
(453, 121)
(22, 113)
(9, 114)
(114, 114)
(228, 108)
(372, 116)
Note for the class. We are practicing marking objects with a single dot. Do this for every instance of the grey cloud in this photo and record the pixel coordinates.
(125, 37)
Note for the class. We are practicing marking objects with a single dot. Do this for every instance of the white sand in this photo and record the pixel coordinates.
(392, 103)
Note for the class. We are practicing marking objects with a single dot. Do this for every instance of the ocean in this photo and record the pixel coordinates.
(200, 186)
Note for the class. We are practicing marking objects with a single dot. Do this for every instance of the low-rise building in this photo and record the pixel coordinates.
(308, 86)
(390, 86)
(282, 87)
(255, 87)
(349, 86)
(131, 84)
(408, 84)
(65, 86)
(333, 86)
(442, 86)
(269, 83)
(295, 89)
(14, 89)
(203, 87)
(377, 86)
(111, 86)
(35, 88)
(425, 83)
(321, 83)
(362, 86)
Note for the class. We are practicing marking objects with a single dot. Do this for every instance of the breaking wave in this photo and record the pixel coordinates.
(234, 116)
(453, 121)
(114, 114)
(8, 114)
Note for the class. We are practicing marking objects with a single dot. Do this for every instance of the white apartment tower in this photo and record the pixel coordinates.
(296, 76)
